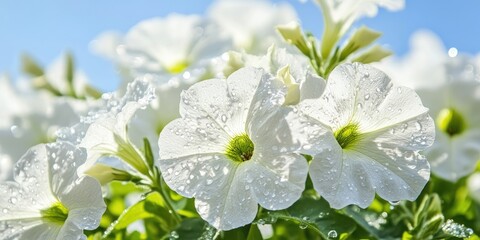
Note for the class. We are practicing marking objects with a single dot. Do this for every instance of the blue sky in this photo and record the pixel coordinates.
(45, 29)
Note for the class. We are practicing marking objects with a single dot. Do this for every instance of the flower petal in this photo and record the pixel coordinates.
(341, 178)
(277, 182)
(33, 172)
(84, 201)
(178, 137)
(453, 158)
(197, 175)
(70, 231)
(232, 204)
(35, 229)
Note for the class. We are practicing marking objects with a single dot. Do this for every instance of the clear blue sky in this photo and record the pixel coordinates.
(46, 28)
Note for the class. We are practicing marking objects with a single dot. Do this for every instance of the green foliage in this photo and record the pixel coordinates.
(315, 215)
(40, 80)
(150, 207)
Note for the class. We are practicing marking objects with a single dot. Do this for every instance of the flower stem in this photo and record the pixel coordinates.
(158, 186)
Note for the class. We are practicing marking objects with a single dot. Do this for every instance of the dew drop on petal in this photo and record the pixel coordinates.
(224, 118)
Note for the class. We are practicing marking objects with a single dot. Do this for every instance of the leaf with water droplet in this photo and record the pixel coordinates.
(306, 213)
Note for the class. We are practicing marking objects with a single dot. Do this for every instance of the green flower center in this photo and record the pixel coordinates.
(57, 213)
(177, 67)
(451, 122)
(240, 148)
(347, 136)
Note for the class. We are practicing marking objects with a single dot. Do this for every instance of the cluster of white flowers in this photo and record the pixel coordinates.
(242, 120)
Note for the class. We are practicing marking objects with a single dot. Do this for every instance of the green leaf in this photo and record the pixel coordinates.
(150, 207)
(363, 37)
(92, 92)
(69, 73)
(292, 34)
(314, 214)
(194, 228)
(31, 67)
(360, 216)
(254, 233)
(374, 54)
(148, 153)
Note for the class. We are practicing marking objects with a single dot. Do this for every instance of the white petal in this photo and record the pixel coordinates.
(63, 159)
(312, 87)
(70, 231)
(85, 202)
(341, 178)
(185, 138)
(335, 107)
(211, 101)
(473, 184)
(101, 131)
(395, 173)
(16, 203)
(232, 204)
(197, 175)
(277, 182)
(454, 158)
(41, 230)
(33, 172)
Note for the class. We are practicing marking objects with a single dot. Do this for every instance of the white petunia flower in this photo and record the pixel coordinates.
(48, 200)
(449, 87)
(456, 150)
(174, 46)
(339, 15)
(379, 128)
(251, 23)
(233, 149)
(104, 132)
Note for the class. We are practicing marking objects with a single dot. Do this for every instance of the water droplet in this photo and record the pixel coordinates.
(303, 225)
(174, 235)
(452, 52)
(394, 203)
(367, 96)
(16, 131)
(56, 166)
(224, 118)
(457, 230)
(332, 234)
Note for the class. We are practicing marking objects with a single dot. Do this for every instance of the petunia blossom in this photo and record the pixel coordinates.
(103, 132)
(48, 200)
(449, 86)
(233, 149)
(379, 128)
